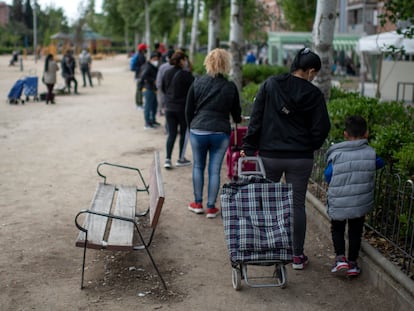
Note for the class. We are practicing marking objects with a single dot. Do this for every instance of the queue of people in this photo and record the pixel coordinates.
(288, 122)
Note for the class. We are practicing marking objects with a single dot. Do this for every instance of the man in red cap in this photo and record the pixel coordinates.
(140, 60)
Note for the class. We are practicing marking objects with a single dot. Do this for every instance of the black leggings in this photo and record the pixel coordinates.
(175, 119)
(355, 228)
(297, 172)
(50, 96)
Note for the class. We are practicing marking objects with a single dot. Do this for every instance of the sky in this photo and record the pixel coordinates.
(70, 7)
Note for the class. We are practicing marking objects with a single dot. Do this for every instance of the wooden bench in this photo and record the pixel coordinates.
(112, 219)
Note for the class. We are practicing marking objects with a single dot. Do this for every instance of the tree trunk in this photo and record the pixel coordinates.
(147, 28)
(236, 42)
(214, 26)
(323, 32)
(126, 39)
(194, 30)
(183, 6)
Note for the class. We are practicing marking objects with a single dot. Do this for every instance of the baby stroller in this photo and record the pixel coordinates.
(233, 152)
(258, 226)
(31, 86)
(16, 92)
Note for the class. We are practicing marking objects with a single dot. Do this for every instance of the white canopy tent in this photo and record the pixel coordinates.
(380, 44)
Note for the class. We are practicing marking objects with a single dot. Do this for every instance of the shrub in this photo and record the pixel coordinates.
(405, 160)
(390, 125)
(247, 97)
(259, 73)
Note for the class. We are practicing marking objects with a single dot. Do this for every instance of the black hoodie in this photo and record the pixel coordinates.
(289, 119)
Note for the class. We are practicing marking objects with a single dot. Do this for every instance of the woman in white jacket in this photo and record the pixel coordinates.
(49, 77)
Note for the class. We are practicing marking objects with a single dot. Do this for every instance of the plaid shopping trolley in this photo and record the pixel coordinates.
(258, 226)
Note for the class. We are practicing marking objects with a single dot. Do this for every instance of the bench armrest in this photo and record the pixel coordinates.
(123, 167)
(88, 211)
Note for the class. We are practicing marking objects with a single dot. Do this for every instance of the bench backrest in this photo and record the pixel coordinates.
(156, 191)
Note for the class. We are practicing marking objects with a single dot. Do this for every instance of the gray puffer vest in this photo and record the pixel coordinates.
(351, 190)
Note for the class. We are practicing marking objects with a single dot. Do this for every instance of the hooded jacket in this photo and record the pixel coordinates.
(210, 100)
(289, 119)
(351, 188)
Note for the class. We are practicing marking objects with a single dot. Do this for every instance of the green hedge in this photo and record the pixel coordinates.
(390, 125)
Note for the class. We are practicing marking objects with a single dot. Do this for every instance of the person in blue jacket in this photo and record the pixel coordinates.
(350, 173)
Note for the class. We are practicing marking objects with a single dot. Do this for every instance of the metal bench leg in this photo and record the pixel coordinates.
(83, 265)
(156, 268)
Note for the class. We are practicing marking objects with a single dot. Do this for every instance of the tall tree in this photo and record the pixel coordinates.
(400, 13)
(131, 12)
(28, 15)
(299, 14)
(183, 9)
(147, 25)
(50, 21)
(164, 18)
(114, 24)
(16, 12)
(236, 41)
(323, 33)
(194, 30)
(214, 16)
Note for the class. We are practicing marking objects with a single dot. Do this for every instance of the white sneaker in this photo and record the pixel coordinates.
(167, 164)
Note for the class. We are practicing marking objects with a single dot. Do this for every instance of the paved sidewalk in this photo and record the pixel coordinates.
(47, 174)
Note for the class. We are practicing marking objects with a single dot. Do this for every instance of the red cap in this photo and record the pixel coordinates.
(142, 47)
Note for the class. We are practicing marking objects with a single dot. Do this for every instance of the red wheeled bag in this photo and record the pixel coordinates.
(233, 152)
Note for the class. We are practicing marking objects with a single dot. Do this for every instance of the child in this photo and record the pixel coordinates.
(351, 177)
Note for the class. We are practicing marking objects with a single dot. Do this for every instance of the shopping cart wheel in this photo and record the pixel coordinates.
(280, 274)
(236, 278)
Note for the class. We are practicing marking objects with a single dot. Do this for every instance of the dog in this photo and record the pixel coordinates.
(98, 75)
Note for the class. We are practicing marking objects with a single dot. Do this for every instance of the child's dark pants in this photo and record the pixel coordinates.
(355, 228)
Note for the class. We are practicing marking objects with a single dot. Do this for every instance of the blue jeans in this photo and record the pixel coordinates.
(150, 107)
(215, 145)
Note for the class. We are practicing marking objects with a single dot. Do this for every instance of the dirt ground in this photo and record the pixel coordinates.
(48, 158)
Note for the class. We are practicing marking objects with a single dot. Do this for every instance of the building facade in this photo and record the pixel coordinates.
(4, 14)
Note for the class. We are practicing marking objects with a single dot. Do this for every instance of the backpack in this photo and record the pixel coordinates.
(133, 62)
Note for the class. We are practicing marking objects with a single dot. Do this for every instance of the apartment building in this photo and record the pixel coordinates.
(4, 14)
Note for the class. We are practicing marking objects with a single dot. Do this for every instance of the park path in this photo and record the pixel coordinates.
(48, 156)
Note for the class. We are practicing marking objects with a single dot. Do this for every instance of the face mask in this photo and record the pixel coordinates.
(154, 63)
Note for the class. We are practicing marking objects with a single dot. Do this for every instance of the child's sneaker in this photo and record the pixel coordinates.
(353, 269)
(340, 264)
(299, 262)
(196, 208)
(212, 212)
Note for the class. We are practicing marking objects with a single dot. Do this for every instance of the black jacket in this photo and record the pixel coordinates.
(209, 103)
(149, 74)
(289, 119)
(175, 85)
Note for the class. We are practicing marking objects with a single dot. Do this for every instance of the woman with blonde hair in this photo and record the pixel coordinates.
(210, 101)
